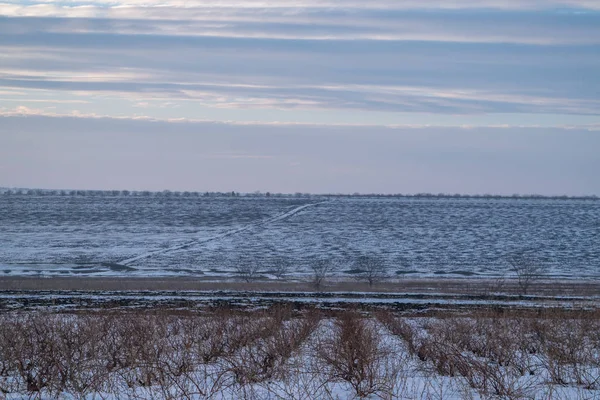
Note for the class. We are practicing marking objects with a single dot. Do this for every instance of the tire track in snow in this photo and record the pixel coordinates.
(231, 232)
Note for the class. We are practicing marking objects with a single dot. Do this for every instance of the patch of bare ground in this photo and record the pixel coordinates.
(547, 287)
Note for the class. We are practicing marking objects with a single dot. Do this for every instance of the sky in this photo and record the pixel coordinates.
(321, 96)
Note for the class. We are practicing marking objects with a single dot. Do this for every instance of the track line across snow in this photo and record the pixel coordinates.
(276, 218)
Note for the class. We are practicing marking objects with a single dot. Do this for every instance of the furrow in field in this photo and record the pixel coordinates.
(199, 241)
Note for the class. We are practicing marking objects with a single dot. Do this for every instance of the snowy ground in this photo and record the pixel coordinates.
(209, 237)
(60, 300)
(279, 354)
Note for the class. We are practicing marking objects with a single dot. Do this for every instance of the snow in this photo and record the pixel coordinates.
(74, 299)
(98, 236)
(396, 373)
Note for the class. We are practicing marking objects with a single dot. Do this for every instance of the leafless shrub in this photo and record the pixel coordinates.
(527, 270)
(370, 268)
(247, 269)
(220, 334)
(482, 351)
(281, 267)
(446, 359)
(507, 343)
(264, 355)
(9, 354)
(277, 353)
(491, 378)
(293, 334)
(255, 360)
(77, 373)
(34, 354)
(400, 328)
(139, 340)
(355, 355)
(321, 270)
(569, 354)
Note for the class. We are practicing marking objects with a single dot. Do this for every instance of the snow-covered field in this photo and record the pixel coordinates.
(279, 354)
(209, 236)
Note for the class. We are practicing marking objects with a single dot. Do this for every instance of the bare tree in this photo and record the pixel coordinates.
(370, 268)
(246, 268)
(527, 269)
(281, 267)
(321, 270)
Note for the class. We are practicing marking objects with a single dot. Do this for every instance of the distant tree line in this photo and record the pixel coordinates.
(464, 196)
(169, 193)
(134, 193)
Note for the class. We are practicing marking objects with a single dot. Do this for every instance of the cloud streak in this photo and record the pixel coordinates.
(539, 28)
(460, 57)
(461, 96)
(24, 111)
(519, 5)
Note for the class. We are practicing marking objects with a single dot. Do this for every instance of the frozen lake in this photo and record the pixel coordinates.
(209, 236)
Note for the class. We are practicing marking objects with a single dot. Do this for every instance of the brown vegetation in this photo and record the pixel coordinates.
(547, 287)
(494, 352)
(280, 353)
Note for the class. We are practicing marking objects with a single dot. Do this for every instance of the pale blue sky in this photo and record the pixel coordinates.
(497, 96)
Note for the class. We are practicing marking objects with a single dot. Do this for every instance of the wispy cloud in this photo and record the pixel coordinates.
(336, 23)
(50, 112)
(332, 62)
(328, 4)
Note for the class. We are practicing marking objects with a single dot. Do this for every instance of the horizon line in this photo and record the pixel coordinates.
(203, 193)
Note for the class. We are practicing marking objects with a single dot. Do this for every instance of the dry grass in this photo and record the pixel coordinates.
(508, 354)
(279, 353)
(467, 286)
